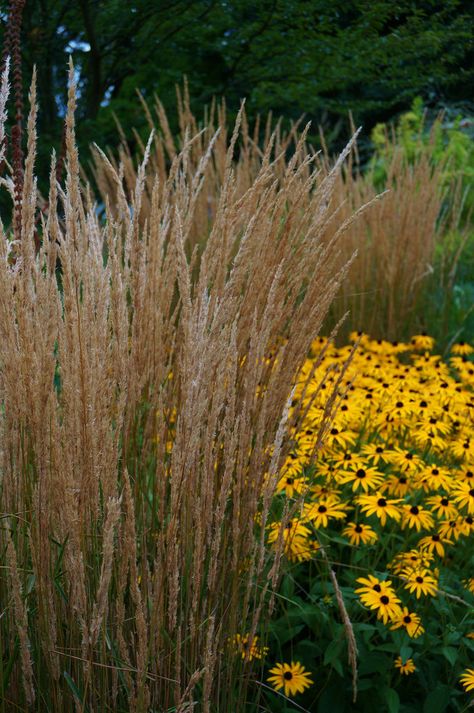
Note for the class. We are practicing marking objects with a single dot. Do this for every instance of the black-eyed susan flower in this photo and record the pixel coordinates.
(452, 529)
(359, 532)
(469, 584)
(372, 584)
(292, 677)
(434, 543)
(404, 459)
(380, 506)
(295, 536)
(248, 647)
(422, 342)
(465, 474)
(405, 667)
(435, 477)
(320, 512)
(442, 506)
(291, 486)
(467, 679)
(376, 452)
(469, 524)
(408, 561)
(339, 437)
(386, 604)
(462, 349)
(463, 447)
(463, 495)
(420, 582)
(409, 621)
(399, 484)
(361, 478)
(415, 516)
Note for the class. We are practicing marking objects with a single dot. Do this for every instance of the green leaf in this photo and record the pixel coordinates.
(450, 653)
(75, 691)
(332, 655)
(391, 698)
(405, 652)
(373, 663)
(438, 700)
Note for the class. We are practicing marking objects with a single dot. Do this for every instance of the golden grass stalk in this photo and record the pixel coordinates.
(146, 362)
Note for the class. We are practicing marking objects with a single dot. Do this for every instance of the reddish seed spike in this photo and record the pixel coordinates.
(12, 47)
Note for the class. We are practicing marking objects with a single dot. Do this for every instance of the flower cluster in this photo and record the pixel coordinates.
(393, 473)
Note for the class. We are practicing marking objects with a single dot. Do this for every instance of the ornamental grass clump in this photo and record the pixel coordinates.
(147, 360)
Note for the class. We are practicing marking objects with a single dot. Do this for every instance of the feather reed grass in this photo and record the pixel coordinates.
(397, 240)
(147, 358)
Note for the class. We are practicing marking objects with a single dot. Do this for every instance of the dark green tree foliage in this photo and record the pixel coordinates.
(291, 56)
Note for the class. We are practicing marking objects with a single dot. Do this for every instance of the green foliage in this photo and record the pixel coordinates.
(288, 56)
(446, 142)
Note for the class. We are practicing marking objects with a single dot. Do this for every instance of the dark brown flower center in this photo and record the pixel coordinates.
(419, 580)
(322, 508)
(382, 503)
(384, 599)
(288, 675)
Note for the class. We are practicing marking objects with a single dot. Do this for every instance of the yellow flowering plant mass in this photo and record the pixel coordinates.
(382, 501)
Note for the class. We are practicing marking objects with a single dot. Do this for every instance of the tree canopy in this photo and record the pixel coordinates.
(290, 56)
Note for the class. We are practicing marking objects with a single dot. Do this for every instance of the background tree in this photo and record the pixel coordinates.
(290, 56)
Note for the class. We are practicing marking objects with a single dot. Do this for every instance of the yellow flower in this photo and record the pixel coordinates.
(435, 477)
(462, 348)
(434, 543)
(467, 679)
(381, 507)
(291, 677)
(463, 447)
(405, 667)
(249, 648)
(359, 532)
(291, 485)
(410, 621)
(469, 584)
(409, 561)
(375, 451)
(320, 512)
(453, 528)
(415, 516)
(422, 342)
(363, 478)
(405, 460)
(442, 506)
(379, 595)
(463, 495)
(421, 581)
(296, 545)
